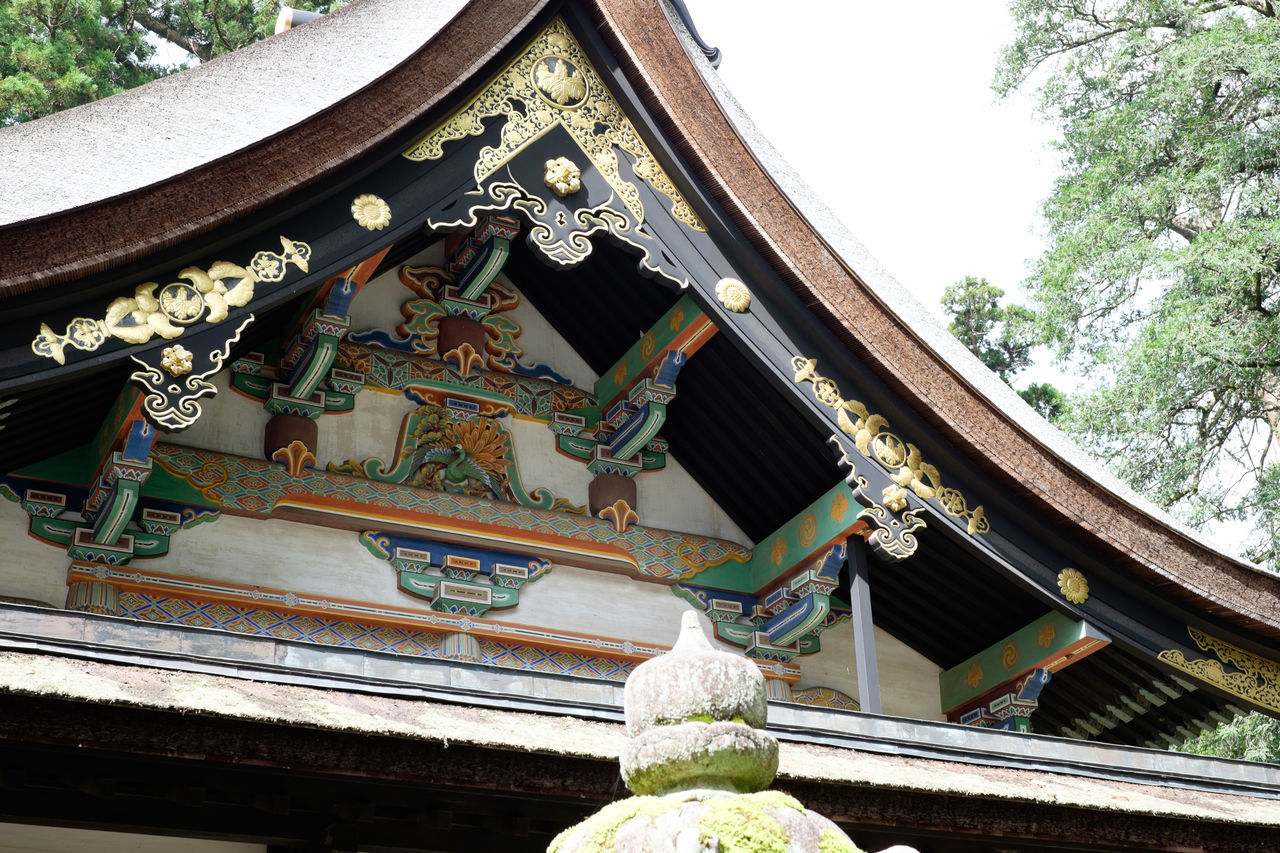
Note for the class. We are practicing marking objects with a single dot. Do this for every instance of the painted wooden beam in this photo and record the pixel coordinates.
(830, 520)
(1050, 643)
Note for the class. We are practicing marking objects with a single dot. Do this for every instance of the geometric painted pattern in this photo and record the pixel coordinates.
(370, 638)
(258, 487)
(825, 697)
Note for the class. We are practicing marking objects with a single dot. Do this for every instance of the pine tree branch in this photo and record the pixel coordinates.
(169, 34)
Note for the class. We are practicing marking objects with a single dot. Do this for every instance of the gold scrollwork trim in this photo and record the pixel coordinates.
(209, 293)
(871, 436)
(554, 84)
(1257, 679)
(892, 532)
(171, 403)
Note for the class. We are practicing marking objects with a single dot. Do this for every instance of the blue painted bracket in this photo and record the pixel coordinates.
(456, 578)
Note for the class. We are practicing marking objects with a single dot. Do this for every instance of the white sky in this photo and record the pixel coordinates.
(886, 110)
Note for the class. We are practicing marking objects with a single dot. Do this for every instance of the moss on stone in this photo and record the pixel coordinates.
(742, 824)
(599, 831)
(835, 842)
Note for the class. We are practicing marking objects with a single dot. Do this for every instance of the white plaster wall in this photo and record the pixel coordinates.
(672, 500)
(601, 603)
(31, 569)
(908, 680)
(377, 305)
(541, 465)
(372, 429)
(281, 554)
(229, 423)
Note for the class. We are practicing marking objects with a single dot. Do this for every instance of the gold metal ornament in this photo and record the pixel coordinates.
(562, 177)
(1255, 679)
(871, 436)
(551, 83)
(371, 212)
(895, 498)
(171, 404)
(1073, 586)
(176, 359)
(733, 295)
(207, 293)
(892, 535)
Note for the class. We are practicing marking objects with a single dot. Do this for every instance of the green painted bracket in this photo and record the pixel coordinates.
(1051, 642)
(116, 511)
(426, 586)
(830, 519)
(681, 322)
(307, 378)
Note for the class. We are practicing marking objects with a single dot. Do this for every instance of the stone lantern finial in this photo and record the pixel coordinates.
(699, 762)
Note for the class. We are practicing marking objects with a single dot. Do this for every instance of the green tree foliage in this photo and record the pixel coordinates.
(1001, 336)
(1252, 736)
(1162, 274)
(56, 54)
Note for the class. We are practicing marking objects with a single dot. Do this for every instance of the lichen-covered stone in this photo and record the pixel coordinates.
(695, 717)
(701, 821)
(727, 756)
(694, 681)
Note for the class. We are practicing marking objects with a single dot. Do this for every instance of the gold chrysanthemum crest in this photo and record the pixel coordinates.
(1073, 586)
(371, 212)
(733, 295)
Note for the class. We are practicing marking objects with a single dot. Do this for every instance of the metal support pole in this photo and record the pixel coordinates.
(864, 639)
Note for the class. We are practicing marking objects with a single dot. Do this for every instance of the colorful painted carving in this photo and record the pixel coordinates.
(262, 488)
(306, 383)
(783, 620)
(977, 685)
(431, 380)
(456, 578)
(447, 450)
(465, 292)
(299, 616)
(825, 697)
(620, 435)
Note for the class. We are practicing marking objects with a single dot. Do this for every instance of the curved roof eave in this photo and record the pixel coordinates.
(438, 49)
(877, 317)
(175, 158)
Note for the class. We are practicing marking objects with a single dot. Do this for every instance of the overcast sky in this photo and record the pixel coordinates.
(886, 110)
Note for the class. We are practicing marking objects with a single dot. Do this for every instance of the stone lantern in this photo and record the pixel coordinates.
(699, 763)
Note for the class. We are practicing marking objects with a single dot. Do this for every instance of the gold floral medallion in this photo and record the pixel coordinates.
(733, 295)
(895, 498)
(371, 212)
(1073, 585)
(176, 359)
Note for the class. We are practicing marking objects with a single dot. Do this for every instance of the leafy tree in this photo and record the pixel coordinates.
(1252, 736)
(1162, 274)
(56, 54)
(1001, 336)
